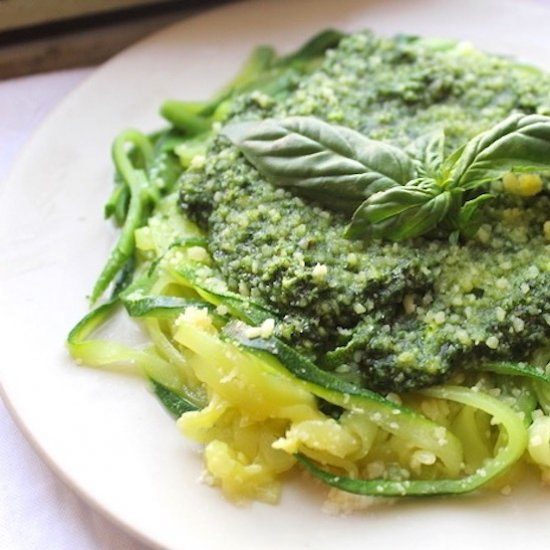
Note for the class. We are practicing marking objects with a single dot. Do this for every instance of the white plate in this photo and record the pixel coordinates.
(103, 432)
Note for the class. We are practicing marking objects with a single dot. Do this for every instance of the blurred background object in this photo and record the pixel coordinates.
(44, 35)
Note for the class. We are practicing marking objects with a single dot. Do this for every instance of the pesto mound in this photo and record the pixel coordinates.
(390, 316)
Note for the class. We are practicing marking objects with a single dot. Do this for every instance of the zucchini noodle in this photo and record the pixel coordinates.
(256, 403)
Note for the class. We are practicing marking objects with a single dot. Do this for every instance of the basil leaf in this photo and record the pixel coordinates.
(333, 165)
(520, 143)
(400, 213)
(469, 219)
(427, 153)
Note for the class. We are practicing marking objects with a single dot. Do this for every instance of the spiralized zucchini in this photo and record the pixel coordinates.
(257, 405)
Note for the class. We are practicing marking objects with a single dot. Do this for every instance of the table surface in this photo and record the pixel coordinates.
(37, 510)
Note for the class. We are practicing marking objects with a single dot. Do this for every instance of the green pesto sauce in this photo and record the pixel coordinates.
(390, 316)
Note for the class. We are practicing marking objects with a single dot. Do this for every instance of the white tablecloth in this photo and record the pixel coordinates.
(37, 510)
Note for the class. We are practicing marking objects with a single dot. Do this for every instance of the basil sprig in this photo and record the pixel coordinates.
(393, 193)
